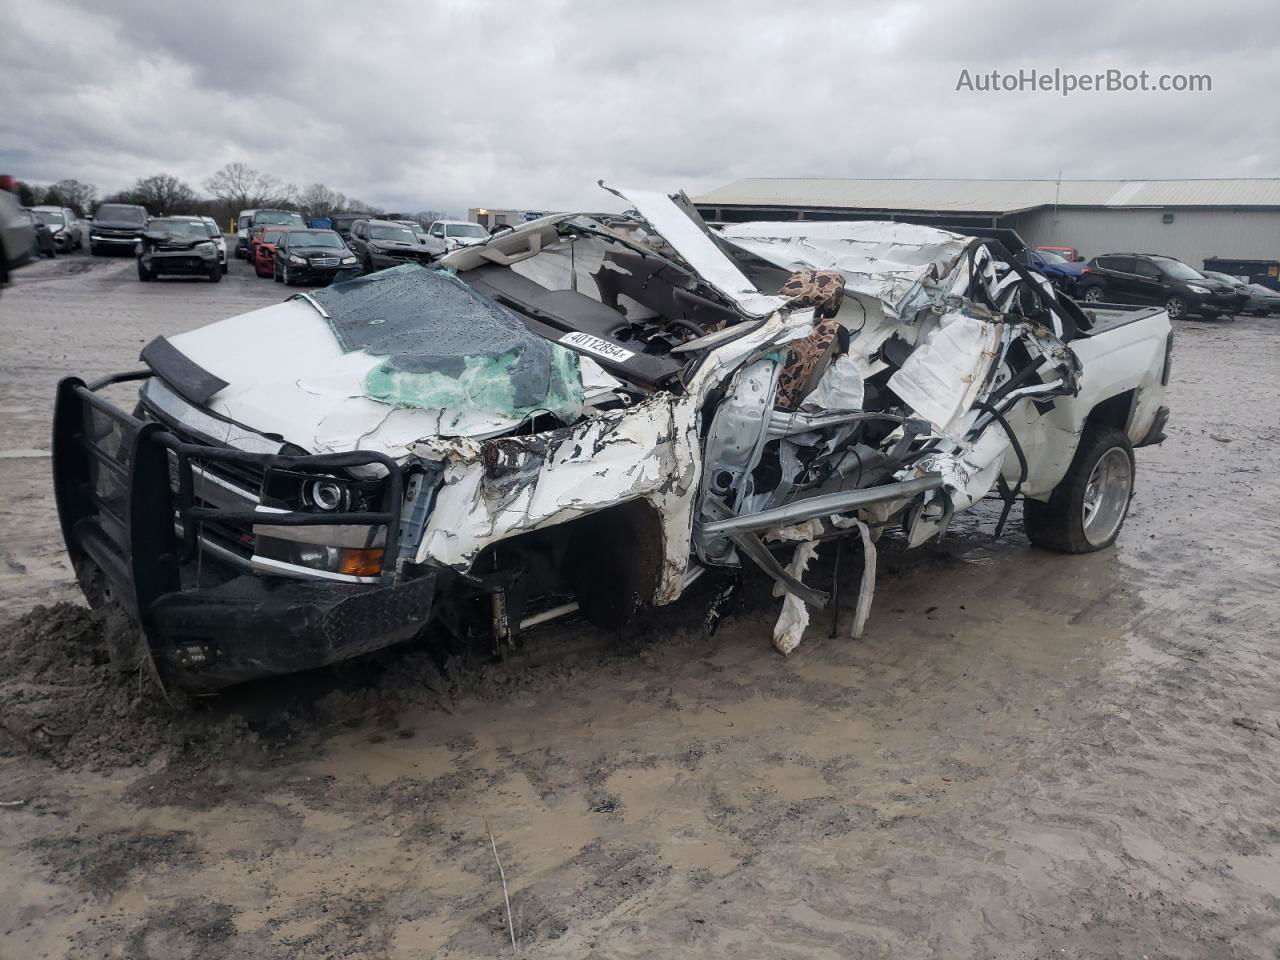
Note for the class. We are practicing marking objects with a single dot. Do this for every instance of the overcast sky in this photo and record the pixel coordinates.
(424, 105)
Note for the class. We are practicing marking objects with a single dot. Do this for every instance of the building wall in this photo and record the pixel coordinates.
(489, 217)
(1191, 237)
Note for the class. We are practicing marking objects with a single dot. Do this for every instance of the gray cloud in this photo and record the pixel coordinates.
(450, 105)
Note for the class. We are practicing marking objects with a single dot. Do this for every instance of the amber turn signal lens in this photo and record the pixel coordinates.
(360, 562)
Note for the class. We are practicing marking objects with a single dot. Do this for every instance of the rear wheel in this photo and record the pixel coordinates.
(1092, 295)
(1088, 507)
(1176, 307)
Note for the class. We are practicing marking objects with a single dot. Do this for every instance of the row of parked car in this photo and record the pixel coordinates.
(1145, 278)
(281, 245)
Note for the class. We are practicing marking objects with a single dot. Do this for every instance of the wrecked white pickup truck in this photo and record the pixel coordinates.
(586, 413)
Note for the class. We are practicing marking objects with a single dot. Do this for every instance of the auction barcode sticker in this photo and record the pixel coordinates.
(601, 348)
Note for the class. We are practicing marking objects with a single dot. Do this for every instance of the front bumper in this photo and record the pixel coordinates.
(1221, 303)
(313, 274)
(131, 517)
(114, 240)
(188, 265)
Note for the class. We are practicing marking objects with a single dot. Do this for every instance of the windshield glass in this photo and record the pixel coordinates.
(211, 230)
(1048, 257)
(403, 234)
(465, 230)
(120, 213)
(276, 216)
(178, 228)
(272, 236)
(51, 217)
(314, 238)
(1177, 269)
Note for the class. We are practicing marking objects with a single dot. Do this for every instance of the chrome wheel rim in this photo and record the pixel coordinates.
(1106, 496)
(1092, 295)
(1174, 307)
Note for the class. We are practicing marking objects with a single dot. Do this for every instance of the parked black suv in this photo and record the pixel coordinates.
(384, 243)
(116, 228)
(1150, 278)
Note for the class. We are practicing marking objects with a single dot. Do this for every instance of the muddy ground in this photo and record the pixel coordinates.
(1028, 755)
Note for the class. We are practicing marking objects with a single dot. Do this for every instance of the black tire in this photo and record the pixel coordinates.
(1176, 307)
(368, 265)
(1091, 294)
(240, 255)
(275, 272)
(288, 277)
(144, 274)
(225, 268)
(95, 250)
(1059, 524)
(215, 272)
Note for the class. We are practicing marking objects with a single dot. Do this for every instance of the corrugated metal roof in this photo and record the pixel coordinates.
(991, 196)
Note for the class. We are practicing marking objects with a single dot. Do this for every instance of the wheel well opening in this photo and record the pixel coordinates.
(1113, 412)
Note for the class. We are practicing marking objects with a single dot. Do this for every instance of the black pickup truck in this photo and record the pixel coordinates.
(116, 228)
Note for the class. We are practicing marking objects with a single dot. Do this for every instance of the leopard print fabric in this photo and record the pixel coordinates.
(821, 289)
(802, 358)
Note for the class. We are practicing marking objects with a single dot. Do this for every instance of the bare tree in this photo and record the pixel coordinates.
(78, 196)
(163, 193)
(239, 186)
(320, 201)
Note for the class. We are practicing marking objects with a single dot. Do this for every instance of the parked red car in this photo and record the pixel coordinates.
(1070, 254)
(262, 248)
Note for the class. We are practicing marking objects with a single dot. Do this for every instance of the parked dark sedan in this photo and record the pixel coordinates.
(1139, 278)
(313, 256)
(1263, 301)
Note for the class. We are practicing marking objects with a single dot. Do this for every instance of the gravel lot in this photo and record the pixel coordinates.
(1028, 755)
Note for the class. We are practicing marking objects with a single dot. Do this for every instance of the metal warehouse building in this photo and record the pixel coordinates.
(1187, 219)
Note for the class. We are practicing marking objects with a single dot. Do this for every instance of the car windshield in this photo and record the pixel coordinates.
(1177, 269)
(120, 213)
(465, 230)
(276, 216)
(211, 230)
(272, 236)
(315, 238)
(178, 228)
(52, 217)
(1048, 257)
(403, 234)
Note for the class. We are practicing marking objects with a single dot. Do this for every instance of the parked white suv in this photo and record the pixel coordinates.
(447, 235)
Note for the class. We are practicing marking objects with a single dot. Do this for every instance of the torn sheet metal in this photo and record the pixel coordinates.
(886, 261)
(944, 375)
(502, 487)
(699, 251)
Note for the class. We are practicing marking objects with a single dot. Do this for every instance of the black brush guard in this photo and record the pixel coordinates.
(112, 483)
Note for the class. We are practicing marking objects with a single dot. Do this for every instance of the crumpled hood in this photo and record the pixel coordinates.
(884, 260)
(378, 362)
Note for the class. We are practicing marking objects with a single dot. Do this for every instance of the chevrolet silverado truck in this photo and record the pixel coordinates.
(587, 413)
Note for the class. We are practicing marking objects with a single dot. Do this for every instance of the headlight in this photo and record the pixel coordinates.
(207, 249)
(1200, 290)
(298, 260)
(346, 261)
(347, 561)
(327, 495)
